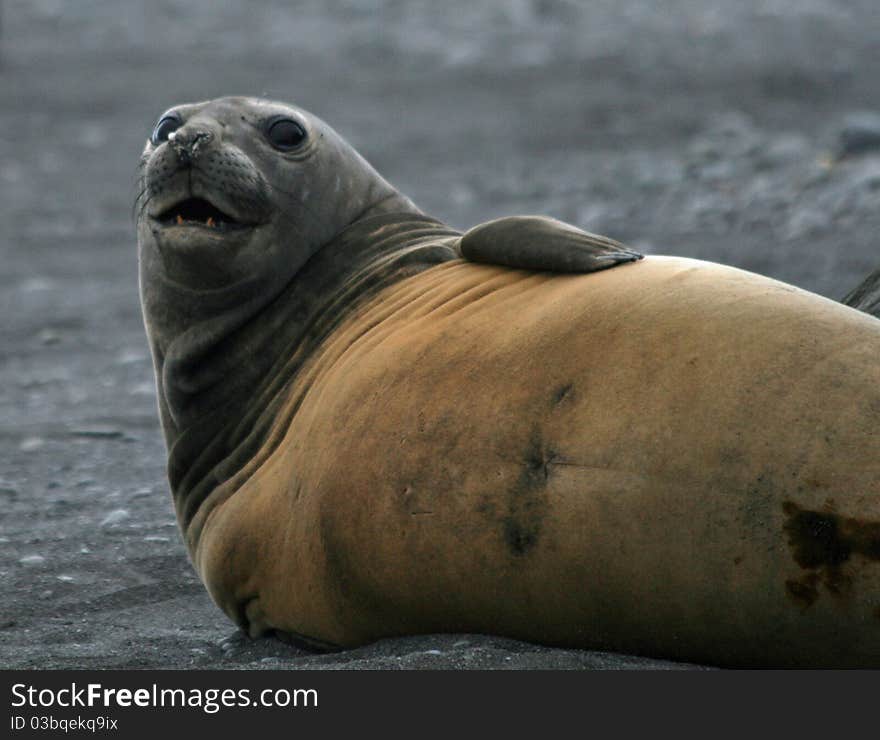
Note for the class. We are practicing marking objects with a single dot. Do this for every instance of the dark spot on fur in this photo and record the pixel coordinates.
(803, 592)
(527, 505)
(737, 560)
(814, 537)
(823, 542)
(561, 393)
(519, 539)
(823, 538)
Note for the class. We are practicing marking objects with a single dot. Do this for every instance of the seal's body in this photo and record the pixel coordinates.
(370, 434)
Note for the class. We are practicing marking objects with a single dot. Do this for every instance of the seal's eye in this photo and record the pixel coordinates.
(285, 134)
(166, 125)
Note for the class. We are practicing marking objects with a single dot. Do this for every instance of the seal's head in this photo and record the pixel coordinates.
(236, 188)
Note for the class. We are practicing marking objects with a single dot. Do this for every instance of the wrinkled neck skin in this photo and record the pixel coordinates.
(224, 355)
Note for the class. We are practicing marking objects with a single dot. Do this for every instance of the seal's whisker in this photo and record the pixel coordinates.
(143, 207)
(134, 213)
(141, 187)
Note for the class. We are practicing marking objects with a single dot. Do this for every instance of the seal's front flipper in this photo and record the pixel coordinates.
(540, 243)
(866, 297)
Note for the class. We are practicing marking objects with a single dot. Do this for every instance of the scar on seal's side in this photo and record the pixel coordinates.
(378, 425)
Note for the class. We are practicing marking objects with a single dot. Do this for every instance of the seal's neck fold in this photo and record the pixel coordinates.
(222, 375)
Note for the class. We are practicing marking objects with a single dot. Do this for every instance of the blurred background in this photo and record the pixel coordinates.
(746, 133)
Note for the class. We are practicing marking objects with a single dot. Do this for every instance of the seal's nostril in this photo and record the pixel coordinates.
(186, 145)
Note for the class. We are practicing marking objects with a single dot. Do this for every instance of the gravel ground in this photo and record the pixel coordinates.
(746, 133)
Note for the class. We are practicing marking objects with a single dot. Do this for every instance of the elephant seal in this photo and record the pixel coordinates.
(379, 426)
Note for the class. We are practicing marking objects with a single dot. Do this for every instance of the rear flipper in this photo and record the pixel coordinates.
(540, 243)
(866, 297)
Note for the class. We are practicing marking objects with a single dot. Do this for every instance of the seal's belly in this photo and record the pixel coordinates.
(669, 458)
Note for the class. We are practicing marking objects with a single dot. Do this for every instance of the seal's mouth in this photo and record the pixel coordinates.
(200, 213)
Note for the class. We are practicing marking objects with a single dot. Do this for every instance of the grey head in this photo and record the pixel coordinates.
(237, 187)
